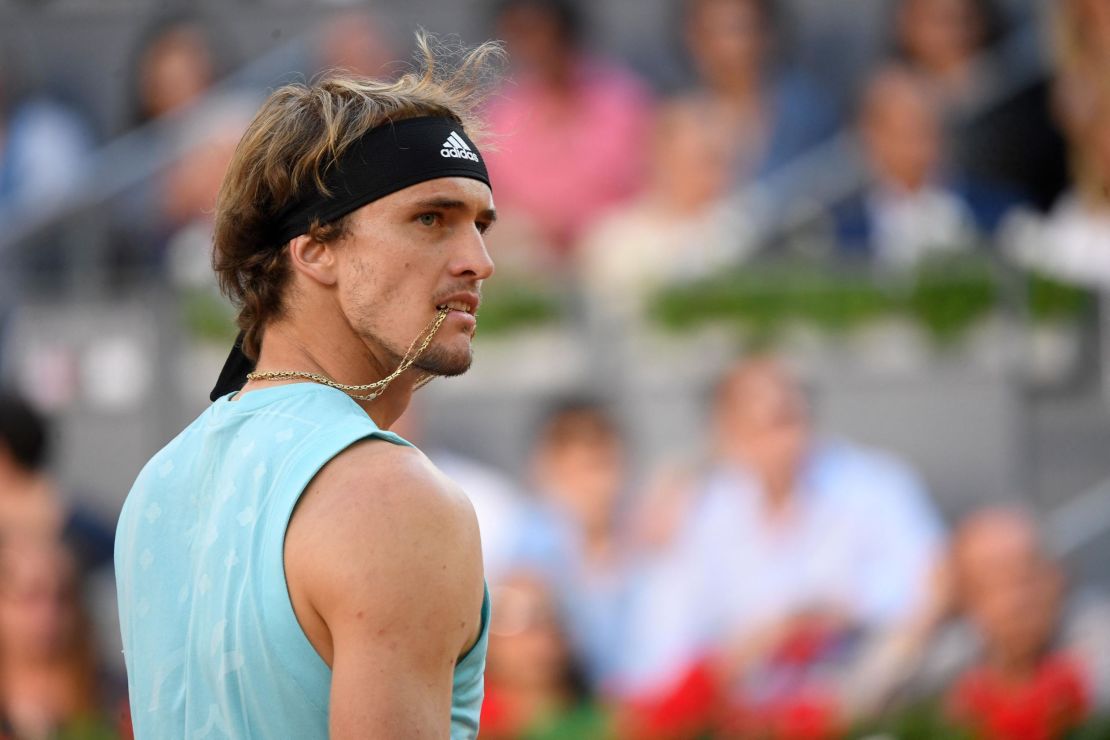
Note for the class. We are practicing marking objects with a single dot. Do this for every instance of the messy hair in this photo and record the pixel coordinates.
(301, 131)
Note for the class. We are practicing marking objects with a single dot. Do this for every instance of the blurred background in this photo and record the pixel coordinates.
(790, 414)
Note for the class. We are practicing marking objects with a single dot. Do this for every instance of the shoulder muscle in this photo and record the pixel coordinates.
(385, 551)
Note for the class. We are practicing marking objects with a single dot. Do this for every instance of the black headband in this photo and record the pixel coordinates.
(388, 158)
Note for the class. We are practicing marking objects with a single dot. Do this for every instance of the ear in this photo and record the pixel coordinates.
(314, 259)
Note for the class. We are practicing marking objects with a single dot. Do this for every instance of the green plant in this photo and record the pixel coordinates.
(516, 305)
(1051, 299)
(949, 295)
(207, 316)
(945, 296)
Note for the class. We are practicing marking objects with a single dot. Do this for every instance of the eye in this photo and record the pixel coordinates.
(428, 219)
(483, 226)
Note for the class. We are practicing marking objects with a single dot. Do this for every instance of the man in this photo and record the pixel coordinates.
(782, 538)
(286, 567)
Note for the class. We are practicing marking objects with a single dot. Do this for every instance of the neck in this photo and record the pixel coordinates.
(740, 89)
(778, 492)
(1013, 668)
(339, 355)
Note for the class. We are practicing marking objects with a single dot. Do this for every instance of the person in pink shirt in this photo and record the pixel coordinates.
(571, 131)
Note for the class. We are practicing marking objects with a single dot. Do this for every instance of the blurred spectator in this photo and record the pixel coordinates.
(787, 549)
(575, 535)
(354, 40)
(570, 130)
(685, 225)
(174, 64)
(906, 210)
(30, 505)
(43, 145)
(497, 500)
(947, 42)
(190, 186)
(1020, 685)
(49, 683)
(1073, 241)
(534, 688)
(1082, 45)
(1010, 650)
(996, 109)
(773, 112)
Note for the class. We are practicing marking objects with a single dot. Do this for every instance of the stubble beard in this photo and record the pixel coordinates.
(438, 361)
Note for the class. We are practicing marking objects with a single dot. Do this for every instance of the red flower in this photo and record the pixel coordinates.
(1052, 701)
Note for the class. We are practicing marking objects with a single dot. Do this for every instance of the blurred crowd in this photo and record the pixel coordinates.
(952, 137)
(777, 584)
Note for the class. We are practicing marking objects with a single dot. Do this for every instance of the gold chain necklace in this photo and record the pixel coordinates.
(357, 391)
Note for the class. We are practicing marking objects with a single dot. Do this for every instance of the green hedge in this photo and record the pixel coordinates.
(946, 297)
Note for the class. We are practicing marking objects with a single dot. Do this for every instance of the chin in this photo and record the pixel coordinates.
(446, 362)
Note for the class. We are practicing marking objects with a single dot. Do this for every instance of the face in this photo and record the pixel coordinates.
(693, 156)
(764, 417)
(587, 477)
(36, 602)
(726, 38)
(407, 255)
(534, 39)
(1010, 592)
(901, 133)
(940, 33)
(176, 70)
(526, 646)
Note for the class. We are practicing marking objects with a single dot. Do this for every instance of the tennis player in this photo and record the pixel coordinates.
(287, 567)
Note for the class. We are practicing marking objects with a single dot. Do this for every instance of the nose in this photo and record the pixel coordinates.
(471, 259)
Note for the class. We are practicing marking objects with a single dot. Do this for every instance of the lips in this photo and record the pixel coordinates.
(464, 302)
(457, 306)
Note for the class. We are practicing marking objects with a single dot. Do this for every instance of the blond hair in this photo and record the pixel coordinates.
(299, 132)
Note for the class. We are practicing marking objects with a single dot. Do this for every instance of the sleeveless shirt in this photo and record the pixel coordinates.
(211, 643)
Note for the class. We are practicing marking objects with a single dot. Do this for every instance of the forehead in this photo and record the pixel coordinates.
(467, 192)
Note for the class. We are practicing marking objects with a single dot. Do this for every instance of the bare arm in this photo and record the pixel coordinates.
(384, 565)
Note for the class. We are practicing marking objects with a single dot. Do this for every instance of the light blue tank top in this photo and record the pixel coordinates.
(212, 645)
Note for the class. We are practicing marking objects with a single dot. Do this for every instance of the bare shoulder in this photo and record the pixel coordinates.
(375, 479)
(379, 540)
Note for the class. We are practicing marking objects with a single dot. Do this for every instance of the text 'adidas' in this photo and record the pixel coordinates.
(457, 148)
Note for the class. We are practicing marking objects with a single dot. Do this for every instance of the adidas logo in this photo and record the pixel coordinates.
(457, 148)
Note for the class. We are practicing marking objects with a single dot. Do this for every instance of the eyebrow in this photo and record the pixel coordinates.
(449, 204)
